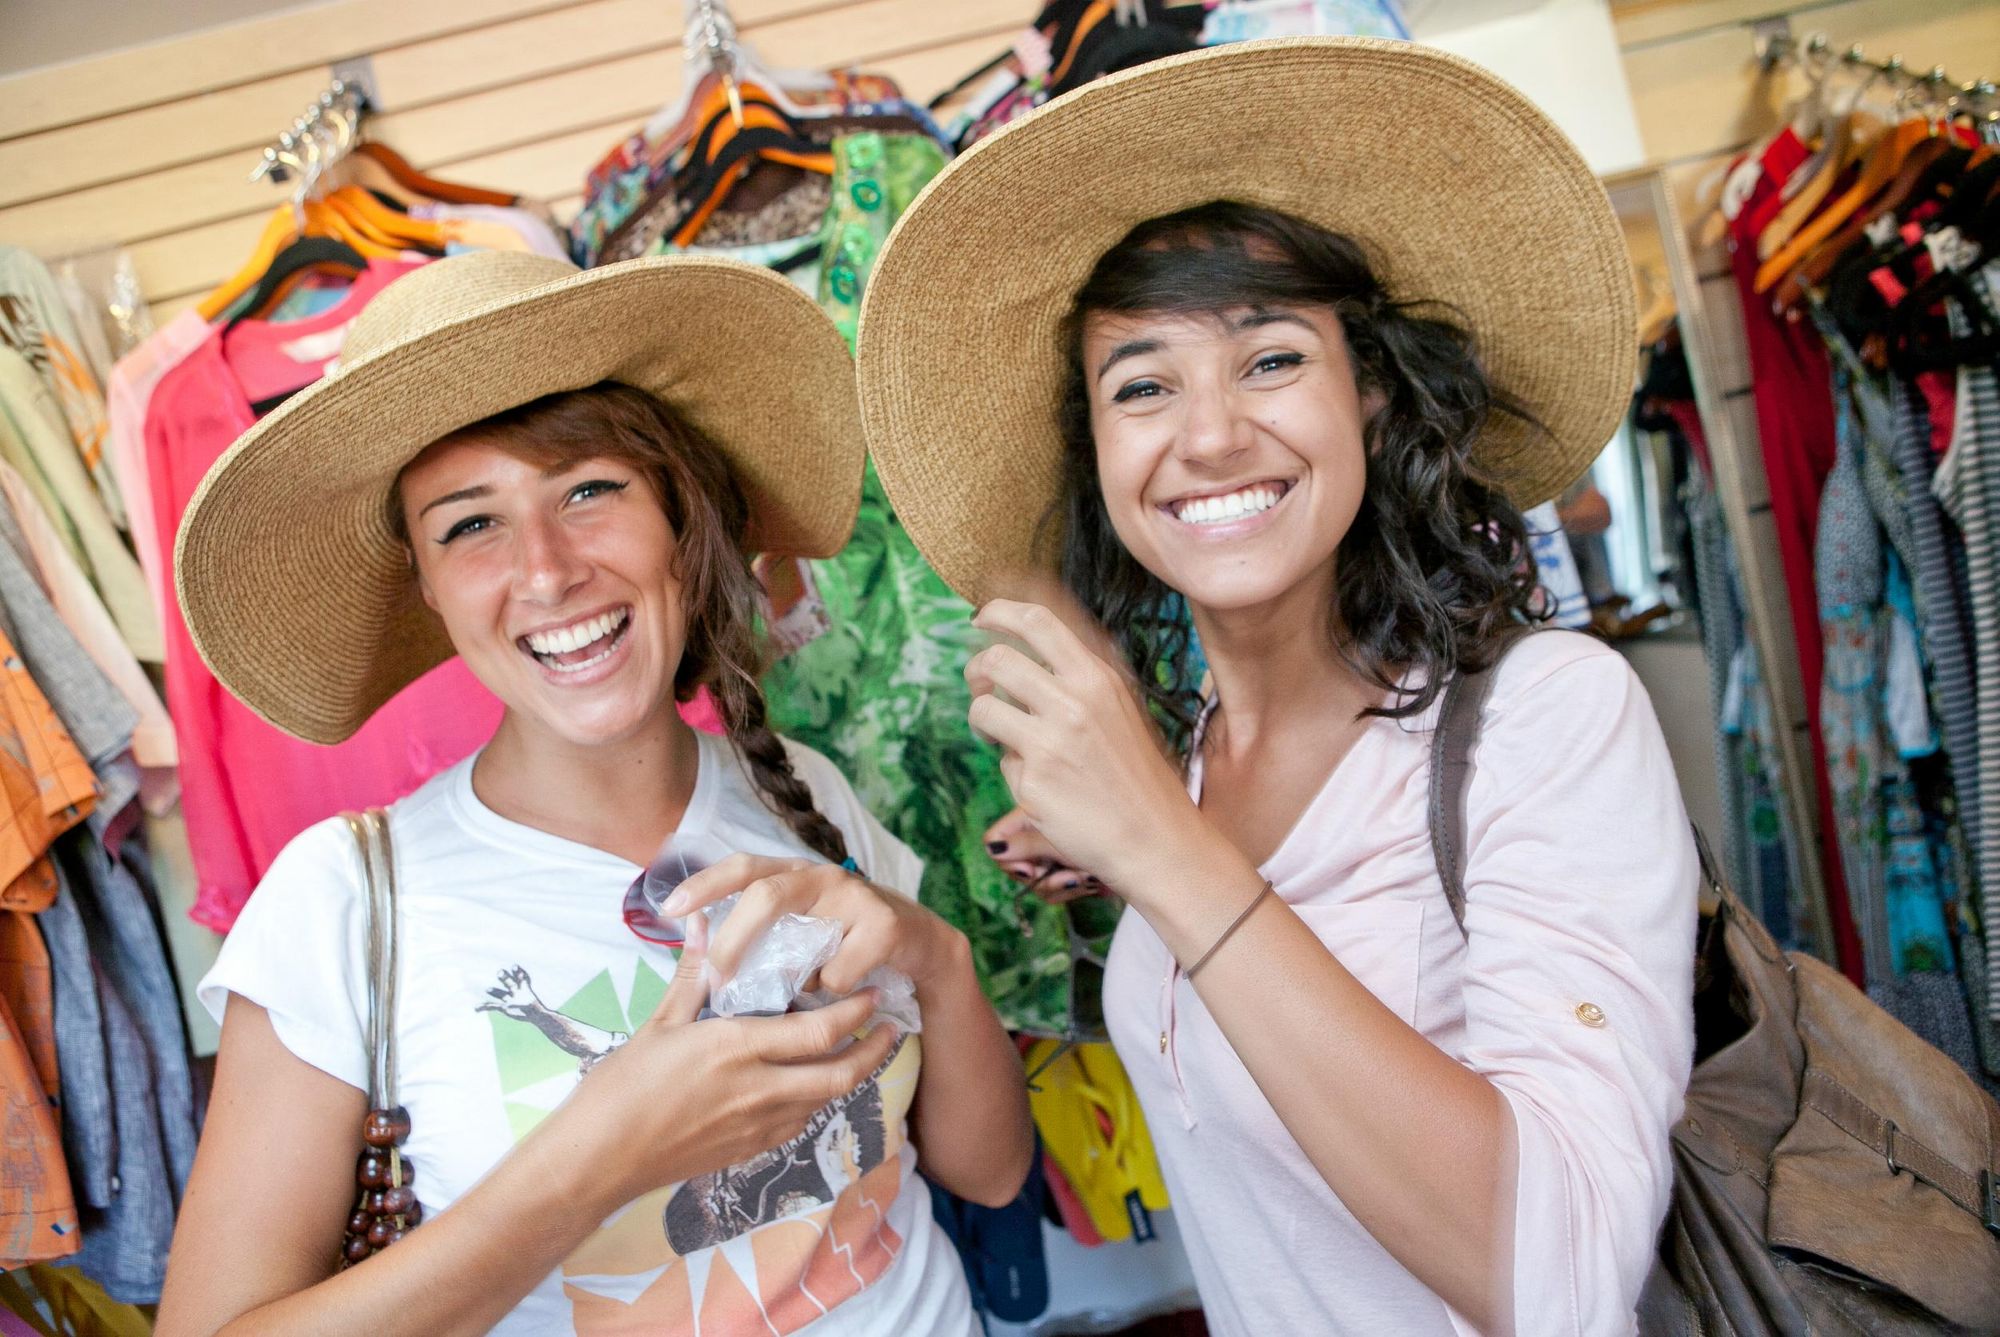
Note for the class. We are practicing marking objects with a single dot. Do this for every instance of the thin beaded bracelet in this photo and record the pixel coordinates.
(1234, 924)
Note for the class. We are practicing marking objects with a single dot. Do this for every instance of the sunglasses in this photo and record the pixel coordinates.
(680, 859)
(1088, 923)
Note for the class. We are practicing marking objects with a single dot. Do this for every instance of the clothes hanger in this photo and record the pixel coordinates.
(1878, 168)
(378, 167)
(1931, 165)
(302, 256)
(1852, 136)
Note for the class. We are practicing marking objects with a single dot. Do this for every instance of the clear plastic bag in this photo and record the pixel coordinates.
(772, 975)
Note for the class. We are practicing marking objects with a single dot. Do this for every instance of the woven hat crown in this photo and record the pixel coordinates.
(440, 293)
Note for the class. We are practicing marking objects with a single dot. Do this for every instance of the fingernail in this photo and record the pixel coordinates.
(1071, 884)
(996, 847)
(674, 904)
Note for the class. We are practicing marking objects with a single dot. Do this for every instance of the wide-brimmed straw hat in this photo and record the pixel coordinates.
(1460, 189)
(297, 591)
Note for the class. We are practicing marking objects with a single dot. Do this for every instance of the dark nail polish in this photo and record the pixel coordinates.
(1071, 884)
(996, 847)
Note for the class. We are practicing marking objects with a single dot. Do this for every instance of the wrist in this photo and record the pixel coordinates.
(1200, 857)
(947, 957)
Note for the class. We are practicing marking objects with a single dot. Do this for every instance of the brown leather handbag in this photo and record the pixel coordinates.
(1832, 1173)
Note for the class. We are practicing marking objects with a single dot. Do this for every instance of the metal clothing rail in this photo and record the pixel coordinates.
(324, 133)
(1778, 46)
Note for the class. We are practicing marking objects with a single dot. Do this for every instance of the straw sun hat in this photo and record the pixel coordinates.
(296, 590)
(1460, 189)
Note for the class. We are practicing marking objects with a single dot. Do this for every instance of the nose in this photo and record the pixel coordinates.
(547, 566)
(1215, 426)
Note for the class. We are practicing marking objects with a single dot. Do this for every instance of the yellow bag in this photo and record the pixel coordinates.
(1089, 1119)
(79, 1305)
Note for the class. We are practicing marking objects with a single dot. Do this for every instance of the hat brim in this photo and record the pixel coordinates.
(299, 595)
(1461, 190)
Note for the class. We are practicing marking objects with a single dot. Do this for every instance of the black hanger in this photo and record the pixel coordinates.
(303, 254)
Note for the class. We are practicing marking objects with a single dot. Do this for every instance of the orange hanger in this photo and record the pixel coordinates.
(393, 227)
(1878, 169)
(279, 230)
(413, 186)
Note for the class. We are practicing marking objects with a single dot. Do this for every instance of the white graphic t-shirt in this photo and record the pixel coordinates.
(518, 975)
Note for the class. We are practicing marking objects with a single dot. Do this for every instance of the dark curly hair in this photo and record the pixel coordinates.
(724, 651)
(1436, 566)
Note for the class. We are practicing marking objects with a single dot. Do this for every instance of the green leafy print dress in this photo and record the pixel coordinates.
(883, 693)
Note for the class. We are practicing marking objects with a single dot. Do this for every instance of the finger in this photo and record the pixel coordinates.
(997, 722)
(732, 875)
(835, 1076)
(786, 890)
(1039, 587)
(804, 1035)
(1023, 845)
(687, 991)
(1041, 631)
(865, 947)
(1003, 668)
(1007, 828)
(1073, 889)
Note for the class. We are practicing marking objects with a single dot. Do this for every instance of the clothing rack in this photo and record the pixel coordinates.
(711, 39)
(1814, 56)
(324, 133)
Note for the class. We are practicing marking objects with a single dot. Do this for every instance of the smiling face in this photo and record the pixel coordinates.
(1230, 447)
(558, 584)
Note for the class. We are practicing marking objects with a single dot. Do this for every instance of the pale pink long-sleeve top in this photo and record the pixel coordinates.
(1572, 995)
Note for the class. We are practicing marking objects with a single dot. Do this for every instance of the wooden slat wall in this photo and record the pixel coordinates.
(152, 149)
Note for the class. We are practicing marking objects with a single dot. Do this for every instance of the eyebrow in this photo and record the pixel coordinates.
(1131, 348)
(479, 490)
(1255, 320)
(1259, 319)
(463, 494)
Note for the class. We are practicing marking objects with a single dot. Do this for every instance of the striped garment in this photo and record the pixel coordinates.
(1968, 486)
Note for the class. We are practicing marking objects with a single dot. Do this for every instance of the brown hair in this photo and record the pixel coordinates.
(709, 517)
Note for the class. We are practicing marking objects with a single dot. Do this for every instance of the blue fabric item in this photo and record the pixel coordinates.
(140, 1106)
(1001, 1248)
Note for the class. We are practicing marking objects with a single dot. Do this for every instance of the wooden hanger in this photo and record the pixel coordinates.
(1853, 134)
(1878, 169)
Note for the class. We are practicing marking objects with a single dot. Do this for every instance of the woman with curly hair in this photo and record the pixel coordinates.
(1276, 388)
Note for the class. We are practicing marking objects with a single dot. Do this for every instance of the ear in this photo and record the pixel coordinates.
(423, 585)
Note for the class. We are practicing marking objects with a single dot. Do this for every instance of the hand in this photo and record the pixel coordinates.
(683, 1097)
(878, 928)
(1082, 756)
(1024, 855)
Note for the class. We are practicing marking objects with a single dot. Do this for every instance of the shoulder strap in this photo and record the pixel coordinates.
(1457, 732)
(378, 872)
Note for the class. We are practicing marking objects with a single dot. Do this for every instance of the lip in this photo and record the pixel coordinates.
(1226, 530)
(1284, 484)
(521, 636)
(613, 661)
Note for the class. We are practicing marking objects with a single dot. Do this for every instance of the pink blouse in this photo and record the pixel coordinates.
(1573, 996)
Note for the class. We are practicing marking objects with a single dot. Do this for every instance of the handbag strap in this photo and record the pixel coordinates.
(378, 873)
(1452, 741)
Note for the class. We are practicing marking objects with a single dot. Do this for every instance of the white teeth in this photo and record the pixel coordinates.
(574, 637)
(1234, 506)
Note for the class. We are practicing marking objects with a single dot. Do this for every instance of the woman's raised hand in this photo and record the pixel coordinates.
(1082, 756)
(1025, 855)
(684, 1097)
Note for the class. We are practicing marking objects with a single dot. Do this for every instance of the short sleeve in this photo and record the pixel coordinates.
(883, 859)
(1581, 888)
(298, 952)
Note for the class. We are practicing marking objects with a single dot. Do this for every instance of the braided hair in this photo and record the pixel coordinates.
(710, 519)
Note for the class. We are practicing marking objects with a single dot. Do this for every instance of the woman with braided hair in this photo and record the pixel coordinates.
(532, 469)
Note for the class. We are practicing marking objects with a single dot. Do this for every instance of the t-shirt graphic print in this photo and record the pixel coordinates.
(518, 978)
(788, 1234)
